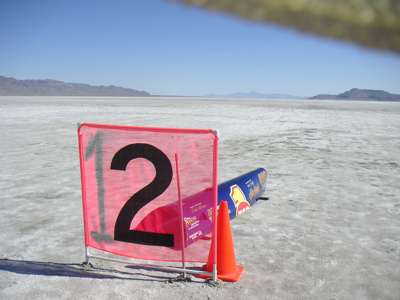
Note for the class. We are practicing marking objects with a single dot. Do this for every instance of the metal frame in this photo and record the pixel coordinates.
(182, 270)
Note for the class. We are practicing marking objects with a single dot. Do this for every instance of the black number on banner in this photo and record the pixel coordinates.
(144, 196)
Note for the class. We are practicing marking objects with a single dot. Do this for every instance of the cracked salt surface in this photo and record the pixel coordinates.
(329, 230)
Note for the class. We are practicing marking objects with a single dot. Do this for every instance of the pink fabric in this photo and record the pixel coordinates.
(130, 191)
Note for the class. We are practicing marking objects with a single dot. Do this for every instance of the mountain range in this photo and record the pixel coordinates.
(13, 87)
(353, 94)
(357, 94)
(47, 87)
(254, 95)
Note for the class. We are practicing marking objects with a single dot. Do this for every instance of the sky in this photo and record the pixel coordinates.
(168, 48)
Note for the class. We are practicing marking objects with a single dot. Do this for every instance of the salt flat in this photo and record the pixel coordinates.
(331, 229)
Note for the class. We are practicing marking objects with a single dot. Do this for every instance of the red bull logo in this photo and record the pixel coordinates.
(239, 199)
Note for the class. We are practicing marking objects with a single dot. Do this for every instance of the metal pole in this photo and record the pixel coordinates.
(215, 272)
(181, 214)
(215, 204)
(87, 255)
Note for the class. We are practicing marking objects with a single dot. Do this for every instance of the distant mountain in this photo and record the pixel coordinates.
(357, 94)
(47, 87)
(254, 95)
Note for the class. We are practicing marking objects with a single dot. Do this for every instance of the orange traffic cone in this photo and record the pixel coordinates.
(227, 270)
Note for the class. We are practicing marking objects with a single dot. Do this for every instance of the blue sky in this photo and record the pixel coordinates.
(167, 48)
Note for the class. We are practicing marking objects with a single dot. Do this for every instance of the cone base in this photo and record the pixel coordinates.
(232, 277)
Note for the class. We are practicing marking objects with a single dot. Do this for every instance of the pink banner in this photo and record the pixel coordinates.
(149, 193)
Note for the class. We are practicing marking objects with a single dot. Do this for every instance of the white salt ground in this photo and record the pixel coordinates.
(331, 229)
